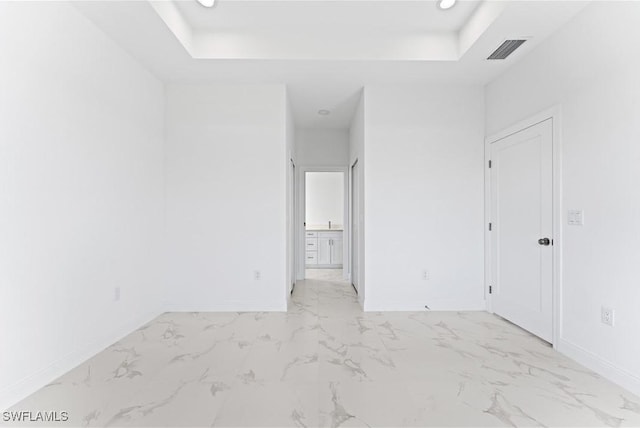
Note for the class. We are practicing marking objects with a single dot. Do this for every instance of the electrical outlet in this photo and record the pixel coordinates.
(607, 316)
(257, 275)
(425, 275)
(116, 294)
(575, 218)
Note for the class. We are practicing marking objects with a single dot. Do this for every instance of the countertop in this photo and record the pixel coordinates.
(323, 228)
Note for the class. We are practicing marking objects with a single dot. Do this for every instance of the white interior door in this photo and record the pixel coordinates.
(522, 223)
(355, 215)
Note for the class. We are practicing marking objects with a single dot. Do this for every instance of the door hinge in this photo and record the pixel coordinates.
(490, 289)
(490, 227)
(490, 164)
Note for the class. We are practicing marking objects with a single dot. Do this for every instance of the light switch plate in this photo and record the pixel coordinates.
(575, 217)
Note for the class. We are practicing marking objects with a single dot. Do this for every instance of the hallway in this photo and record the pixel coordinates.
(326, 363)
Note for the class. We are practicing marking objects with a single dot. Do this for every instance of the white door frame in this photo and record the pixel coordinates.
(293, 222)
(353, 243)
(554, 114)
(300, 229)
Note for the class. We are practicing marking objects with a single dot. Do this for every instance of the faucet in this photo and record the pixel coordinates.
(329, 224)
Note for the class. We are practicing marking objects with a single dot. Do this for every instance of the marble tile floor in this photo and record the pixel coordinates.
(326, 363)
(332, 275)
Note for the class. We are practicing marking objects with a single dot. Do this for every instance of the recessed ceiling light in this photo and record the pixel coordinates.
(207, 3)
(324, 112)
(446, 4)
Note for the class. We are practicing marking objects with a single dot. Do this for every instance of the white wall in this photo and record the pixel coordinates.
(356, 153)
(594, 78)
(424, 197)
(226, 196)
(324, 199)
(322, 147)
(81, 188)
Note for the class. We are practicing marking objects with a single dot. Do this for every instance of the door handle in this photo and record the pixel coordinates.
(544, 241)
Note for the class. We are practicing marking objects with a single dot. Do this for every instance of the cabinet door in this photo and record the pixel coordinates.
(336, 251)
(324, 251)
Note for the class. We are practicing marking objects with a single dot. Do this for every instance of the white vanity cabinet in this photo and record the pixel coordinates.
(324, 249)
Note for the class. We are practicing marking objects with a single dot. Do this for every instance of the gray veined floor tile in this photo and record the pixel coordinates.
(326, 363)
(358, 404)
(272, 404)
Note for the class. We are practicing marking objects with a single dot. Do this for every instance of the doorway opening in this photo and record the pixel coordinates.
(325, 214)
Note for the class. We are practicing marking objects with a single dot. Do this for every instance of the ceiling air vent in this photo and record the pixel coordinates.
(506, 49)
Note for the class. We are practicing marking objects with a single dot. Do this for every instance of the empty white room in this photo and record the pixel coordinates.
(320, 213)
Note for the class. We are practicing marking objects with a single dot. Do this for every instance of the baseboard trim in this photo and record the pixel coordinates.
(415, 305)
(599, 365)
(26, 386)
(228, 306)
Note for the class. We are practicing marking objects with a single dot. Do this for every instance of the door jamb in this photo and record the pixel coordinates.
(293, 258)
(553, 113)
(352, 243)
